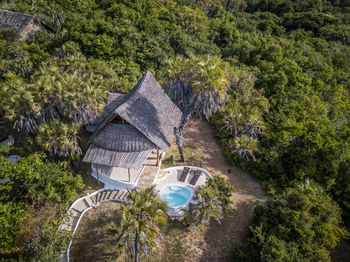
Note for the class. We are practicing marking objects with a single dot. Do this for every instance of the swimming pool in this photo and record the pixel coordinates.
(176, 198)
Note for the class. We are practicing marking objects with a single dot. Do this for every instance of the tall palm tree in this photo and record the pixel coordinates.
(142, 218)
(59, 138)
(198, 87)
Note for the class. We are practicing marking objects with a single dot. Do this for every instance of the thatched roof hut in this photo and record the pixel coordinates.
(22, 24)
(133, 125)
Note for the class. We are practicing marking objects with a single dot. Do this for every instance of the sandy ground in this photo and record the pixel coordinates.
(91, 241)
(215, 242)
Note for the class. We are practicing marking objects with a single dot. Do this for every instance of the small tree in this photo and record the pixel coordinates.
(142, 218)
(214, 202)
(245, 147)
(197, 86)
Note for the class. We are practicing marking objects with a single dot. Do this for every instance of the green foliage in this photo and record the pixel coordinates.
(299, 225)
(59, 138)
(142, 218)
(29, 188)
(11, 217)
(285, 65)
(36, 181)
(213, 202)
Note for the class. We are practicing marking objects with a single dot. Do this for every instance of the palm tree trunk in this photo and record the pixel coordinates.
(181, 154)
(211, 41)
(179, 134)
(120, 236)
(137, 247)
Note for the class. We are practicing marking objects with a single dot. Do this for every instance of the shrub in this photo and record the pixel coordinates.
(299, 225)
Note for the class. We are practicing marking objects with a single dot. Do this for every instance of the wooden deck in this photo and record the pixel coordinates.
(147, 177)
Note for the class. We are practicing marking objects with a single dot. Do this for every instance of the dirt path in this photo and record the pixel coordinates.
(218, 241)
(215, 242)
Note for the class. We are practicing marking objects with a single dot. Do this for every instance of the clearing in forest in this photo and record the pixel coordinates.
(215, 242)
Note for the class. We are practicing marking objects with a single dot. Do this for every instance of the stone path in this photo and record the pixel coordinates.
(150, 171)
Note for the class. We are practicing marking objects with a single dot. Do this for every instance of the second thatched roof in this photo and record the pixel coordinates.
(22, 24)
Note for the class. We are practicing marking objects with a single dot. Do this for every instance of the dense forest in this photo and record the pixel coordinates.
(285, 116)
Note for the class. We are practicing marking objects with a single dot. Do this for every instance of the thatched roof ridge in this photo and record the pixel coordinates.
(107, 157)
(114, 101)
(150, 110)
(22, 24)
(122, 138)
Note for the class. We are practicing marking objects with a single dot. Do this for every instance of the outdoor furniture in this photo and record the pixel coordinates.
(184, 174)
(195, 177)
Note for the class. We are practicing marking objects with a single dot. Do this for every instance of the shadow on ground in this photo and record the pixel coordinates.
(216, 242)
(91, 241)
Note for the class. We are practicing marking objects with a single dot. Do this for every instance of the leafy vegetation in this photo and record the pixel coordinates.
(213, 202)
(142, 219)
(34, 193)
(299, 225)
(284, 66)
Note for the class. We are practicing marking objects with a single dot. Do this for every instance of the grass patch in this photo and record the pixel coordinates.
(171, 248)
(193, 154)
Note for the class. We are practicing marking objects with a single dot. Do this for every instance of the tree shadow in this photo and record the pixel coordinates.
(92, 242)
(222, 239)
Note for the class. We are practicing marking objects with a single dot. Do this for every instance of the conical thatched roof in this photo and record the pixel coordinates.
(151, 116)
(149, 109)
(21, 24)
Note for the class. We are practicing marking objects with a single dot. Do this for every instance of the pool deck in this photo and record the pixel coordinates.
(172, 176)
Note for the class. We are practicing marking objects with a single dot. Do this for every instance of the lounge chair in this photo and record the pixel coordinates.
(195, 177)
(184, 174)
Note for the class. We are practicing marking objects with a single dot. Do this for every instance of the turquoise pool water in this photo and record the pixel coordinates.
(176, 195)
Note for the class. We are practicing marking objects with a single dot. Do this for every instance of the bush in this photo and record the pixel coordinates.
(34, 194)
(299, 225)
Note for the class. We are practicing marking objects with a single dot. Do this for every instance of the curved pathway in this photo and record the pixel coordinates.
(83, 204)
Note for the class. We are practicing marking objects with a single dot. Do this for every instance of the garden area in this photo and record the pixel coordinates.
(198, 243)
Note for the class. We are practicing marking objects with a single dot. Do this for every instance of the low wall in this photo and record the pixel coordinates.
(111, 183)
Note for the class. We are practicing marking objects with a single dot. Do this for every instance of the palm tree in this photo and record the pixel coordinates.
(198, 87)
(231, 117)
(142, 218)
(59, 138)
(214, 201)
(54, 94)
(253, 127)
(245, 147)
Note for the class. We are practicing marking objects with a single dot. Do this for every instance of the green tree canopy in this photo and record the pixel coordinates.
(299, 225)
